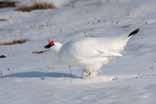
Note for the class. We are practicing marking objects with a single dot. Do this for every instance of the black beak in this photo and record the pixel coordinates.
(47, 46)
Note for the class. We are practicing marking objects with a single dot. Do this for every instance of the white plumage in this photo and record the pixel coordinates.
(91, 52)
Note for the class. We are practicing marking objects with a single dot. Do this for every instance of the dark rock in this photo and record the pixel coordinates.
(3, 56)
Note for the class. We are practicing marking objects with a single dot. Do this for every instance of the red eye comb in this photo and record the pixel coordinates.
(51, 42)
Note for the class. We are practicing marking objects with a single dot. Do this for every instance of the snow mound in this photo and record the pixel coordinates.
(102, 79)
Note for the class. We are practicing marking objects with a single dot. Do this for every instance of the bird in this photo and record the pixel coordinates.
(91, 52)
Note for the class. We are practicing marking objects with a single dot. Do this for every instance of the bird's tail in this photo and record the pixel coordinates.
(134, 32)
(124, 39)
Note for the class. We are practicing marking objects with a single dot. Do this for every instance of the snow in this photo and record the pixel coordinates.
(28, 78)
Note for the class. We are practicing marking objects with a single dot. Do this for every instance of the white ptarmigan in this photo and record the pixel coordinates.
(91, 52)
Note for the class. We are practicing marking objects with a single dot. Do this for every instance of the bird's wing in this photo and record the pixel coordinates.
(108, 53)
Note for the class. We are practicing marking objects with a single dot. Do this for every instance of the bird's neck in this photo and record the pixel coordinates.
(57, 47)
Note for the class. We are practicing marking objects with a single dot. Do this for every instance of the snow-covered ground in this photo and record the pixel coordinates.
(28, 78)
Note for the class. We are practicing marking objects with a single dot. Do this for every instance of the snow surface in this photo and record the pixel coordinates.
(28, 78)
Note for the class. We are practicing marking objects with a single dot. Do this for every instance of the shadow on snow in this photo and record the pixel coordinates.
(38, 74)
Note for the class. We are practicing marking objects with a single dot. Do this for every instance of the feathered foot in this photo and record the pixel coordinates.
(89, 74)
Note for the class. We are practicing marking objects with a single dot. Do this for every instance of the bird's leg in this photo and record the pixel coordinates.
(70, 71)
(69, 67)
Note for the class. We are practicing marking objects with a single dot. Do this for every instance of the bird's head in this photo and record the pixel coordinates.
(50, 44)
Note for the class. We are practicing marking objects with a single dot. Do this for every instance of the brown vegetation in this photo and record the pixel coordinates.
(39, 52)
(5, 4)
(13, 42)
(35, 6)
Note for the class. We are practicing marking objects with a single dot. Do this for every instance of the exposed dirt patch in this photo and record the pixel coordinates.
(13, 42)
(35, 6)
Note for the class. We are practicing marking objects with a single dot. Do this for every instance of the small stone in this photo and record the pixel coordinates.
(8, 69)
(1, 74)
(98, 20)
(42, 78)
